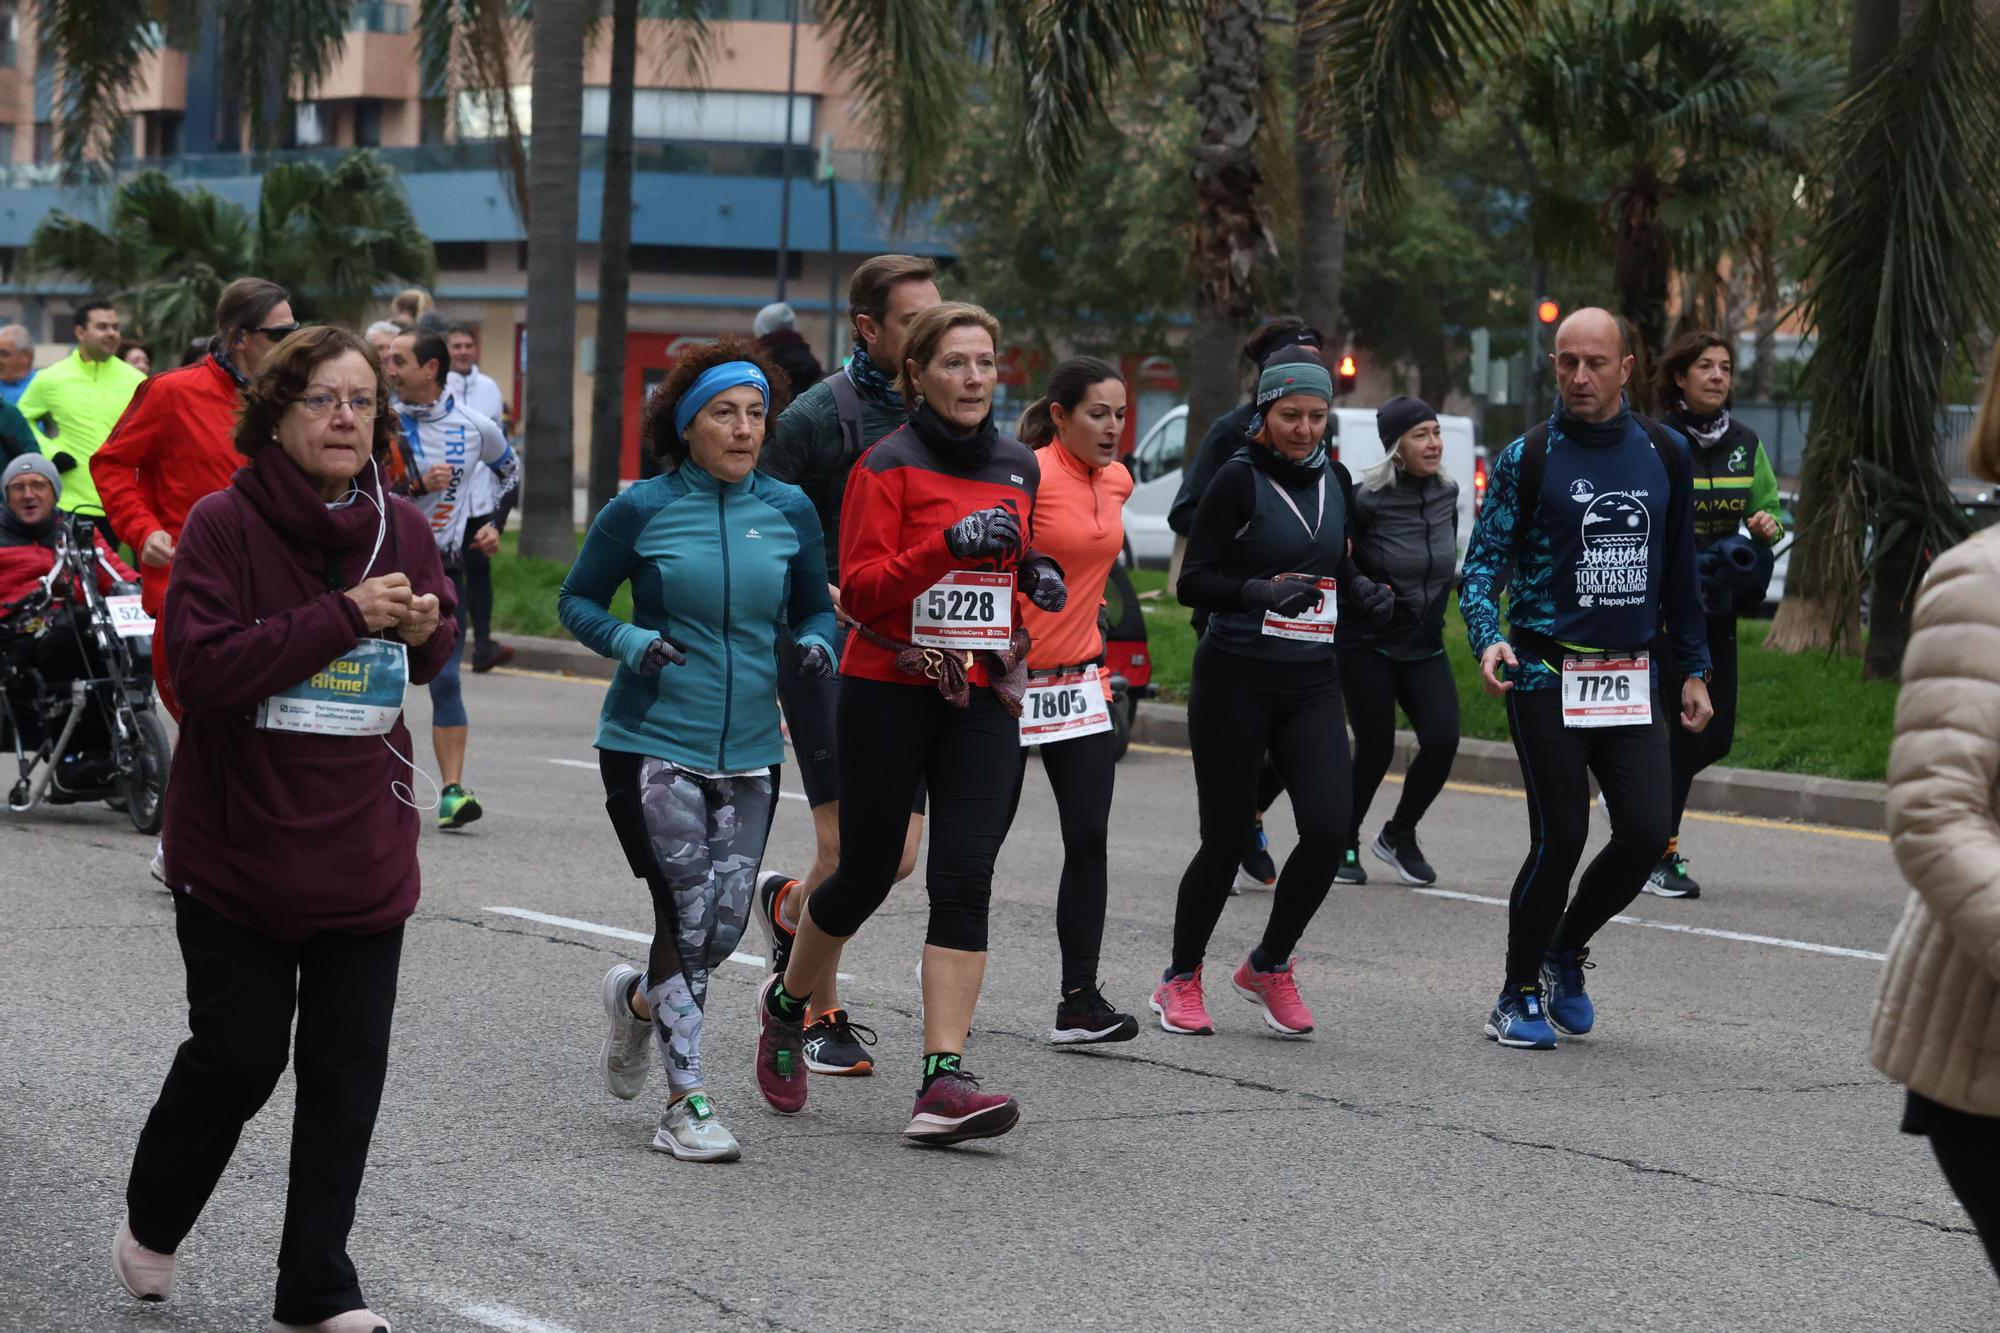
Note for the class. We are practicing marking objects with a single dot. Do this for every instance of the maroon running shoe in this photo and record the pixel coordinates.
(953, 1109)
(781, 1057)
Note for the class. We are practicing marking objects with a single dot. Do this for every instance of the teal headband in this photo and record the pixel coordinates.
(1286, 378)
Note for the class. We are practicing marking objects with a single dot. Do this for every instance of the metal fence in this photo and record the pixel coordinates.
(1785, 427)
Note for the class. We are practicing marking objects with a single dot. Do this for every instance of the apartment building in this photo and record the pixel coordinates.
(711, 174)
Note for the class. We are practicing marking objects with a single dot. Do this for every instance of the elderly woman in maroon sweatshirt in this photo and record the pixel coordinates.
(304, 600)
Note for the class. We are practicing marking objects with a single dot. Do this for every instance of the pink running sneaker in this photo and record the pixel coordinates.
(1178, 1002)
(781, 1056)
(953, 1110)
(1277, 994)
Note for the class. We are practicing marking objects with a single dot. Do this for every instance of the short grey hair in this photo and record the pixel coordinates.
(389, 327)
(17, 338)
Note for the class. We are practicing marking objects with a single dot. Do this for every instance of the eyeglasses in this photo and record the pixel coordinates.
(319, 404)
(278, 330)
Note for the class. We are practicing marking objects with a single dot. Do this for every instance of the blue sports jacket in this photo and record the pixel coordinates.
(716, 568)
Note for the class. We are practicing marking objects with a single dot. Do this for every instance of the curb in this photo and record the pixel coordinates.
(1730, 791)
(561, 657)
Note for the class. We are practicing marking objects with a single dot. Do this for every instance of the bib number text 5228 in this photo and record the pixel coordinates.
(966, 610)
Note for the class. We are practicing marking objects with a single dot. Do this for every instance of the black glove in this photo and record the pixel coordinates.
(817, 661)
(64, 462)
(1041, 578)
(123, 589)
(1376, 600)
(661, 653)
(1288, 594)
(987, 533)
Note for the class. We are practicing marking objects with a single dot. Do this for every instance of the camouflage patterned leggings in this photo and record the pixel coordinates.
(696, 842)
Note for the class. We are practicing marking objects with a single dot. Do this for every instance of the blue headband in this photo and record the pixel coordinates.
(715, 380)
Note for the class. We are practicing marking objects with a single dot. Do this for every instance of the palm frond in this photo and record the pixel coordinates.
(1397, 68)
(467, 46)
(97, 49)
(274, 55)
(911, 67)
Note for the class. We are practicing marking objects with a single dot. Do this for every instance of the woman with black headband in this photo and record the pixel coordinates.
(1267, 555)
(718, 556)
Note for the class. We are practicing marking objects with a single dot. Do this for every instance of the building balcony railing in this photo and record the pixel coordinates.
(388, 16)
(677, 159)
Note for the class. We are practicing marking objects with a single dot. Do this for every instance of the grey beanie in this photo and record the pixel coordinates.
(35, 463)
(1399, 416)
(775, 316)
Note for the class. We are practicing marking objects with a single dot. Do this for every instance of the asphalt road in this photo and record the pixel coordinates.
(1717, 1155)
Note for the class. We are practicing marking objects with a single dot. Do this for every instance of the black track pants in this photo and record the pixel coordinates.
(1630, 764)
(478, 589)
(1240, 708)
(1693, 751)
(1374, 685)
(1081, 773)
(891, 738)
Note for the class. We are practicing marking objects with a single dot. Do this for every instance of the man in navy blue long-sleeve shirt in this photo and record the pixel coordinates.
(1594, 512)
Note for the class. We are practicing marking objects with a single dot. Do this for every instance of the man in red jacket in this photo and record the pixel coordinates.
(173, 445)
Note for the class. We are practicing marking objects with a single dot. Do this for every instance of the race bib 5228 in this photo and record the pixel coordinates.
(966, 610)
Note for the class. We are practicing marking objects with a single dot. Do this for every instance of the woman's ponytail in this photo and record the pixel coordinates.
(1036, 427)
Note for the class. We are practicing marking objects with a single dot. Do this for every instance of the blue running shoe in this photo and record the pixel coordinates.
(1562, 981)
(1518, 1020)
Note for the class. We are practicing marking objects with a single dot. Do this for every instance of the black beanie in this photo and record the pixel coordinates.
(1399, 416)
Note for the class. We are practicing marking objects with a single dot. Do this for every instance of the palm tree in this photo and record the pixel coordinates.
(1905, 264)
(1321, 178)
(332, 237)
(547, 508)
(1659, 119)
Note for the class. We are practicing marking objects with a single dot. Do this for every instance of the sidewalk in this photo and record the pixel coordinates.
(1730, 791)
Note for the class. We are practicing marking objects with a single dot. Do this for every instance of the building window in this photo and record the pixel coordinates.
(368, 123)
(10, 33)
(704, 117)
(308, 128)
(379, 16)
(45, 142)
(432, 113)
(6, 145)
(461, 256)
(482, 115)
(162, 131)
(710, 262)
(760, 11)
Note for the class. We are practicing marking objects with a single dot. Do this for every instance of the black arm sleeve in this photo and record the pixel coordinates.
(1225, 437)
(1226, 505)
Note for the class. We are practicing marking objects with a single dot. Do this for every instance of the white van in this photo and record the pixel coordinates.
(1156, 473)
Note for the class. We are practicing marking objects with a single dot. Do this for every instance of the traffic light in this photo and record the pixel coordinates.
(1348, 373)
(1547, 311)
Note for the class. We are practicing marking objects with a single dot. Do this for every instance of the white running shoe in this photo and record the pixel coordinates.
(158, 868)
(628, 1047)
(690, 1131)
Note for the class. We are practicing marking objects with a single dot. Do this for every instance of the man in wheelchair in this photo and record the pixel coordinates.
(46, 641)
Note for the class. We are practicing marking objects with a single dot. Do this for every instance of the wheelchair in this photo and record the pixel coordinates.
(76, 696)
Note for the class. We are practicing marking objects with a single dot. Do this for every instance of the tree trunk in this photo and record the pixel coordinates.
(1230, 225)
(548, 521)
(1322, 184)
(1642, 261)
(614, 264)
(1826, 556)
(1763, 374)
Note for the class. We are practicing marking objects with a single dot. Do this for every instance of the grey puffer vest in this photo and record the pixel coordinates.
(1406, 535)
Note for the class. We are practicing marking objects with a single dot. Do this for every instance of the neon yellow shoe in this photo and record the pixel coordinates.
(457, 807)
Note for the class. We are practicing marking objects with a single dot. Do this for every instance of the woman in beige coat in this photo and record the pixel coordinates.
(1937, 1020)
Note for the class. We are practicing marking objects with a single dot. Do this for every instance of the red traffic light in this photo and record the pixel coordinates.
(1547, 311)
(1347, 368)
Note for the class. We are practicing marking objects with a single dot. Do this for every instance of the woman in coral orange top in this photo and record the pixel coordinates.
(1079, 521)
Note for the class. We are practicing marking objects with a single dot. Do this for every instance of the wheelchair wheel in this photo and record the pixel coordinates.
(144, 782)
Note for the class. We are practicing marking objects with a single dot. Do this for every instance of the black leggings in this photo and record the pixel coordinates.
(243, 988)
(1374, 685)
(891, 738)
(1081, 773)
(1238, 709)
(1692, 751)
(1556, 764)
(478, 595)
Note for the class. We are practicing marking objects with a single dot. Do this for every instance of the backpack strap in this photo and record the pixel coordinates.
(847, 406)
(1528, 485)
(1670, 457)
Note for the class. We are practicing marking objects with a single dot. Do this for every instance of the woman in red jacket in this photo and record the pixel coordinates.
(304, 600)
(1079, 521)
(935, 560)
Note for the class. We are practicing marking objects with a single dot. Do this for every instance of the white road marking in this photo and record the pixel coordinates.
(581, 763)
(1776, 942)
(620, 933)
(507, 1319)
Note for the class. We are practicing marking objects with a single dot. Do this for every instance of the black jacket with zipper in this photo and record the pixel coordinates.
(1406, 535)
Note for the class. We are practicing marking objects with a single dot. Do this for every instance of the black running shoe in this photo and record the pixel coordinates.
(777, 935)
(835, 1045)
(1351, 871)
(1085, 1016)
(1670, 878)
(488, 656)
(1258, 870)
(1398, 849)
